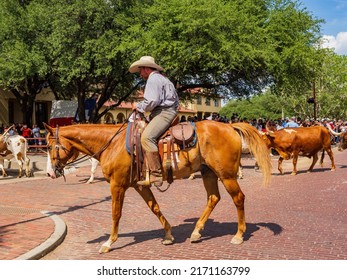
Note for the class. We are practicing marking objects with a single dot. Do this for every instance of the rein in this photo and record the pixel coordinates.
(85, 157)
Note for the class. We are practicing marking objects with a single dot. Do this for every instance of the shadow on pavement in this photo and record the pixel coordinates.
(183, 231)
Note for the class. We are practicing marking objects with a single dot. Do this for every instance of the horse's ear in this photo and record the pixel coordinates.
(48, 128)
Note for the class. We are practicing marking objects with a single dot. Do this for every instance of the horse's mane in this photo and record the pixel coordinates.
(98, 125)
(89, 127)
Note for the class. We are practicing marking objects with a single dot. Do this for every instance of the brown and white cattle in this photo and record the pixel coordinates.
(14, 146)
(303, 141)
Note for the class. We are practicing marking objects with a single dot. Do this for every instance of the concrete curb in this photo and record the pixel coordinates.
(51, 243)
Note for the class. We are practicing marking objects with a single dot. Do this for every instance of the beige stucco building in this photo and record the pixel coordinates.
(10, 112)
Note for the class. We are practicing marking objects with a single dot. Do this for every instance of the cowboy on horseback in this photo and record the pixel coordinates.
(161, 100)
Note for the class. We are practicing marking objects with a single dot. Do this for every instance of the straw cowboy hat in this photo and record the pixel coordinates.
(145, 61)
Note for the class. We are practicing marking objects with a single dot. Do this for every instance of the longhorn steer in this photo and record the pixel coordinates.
(14, 146)
(303, 141)
(342, 141)
(342, 145)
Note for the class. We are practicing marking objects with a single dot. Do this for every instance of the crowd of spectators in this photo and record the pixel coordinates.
(338, 125)
(25, 131)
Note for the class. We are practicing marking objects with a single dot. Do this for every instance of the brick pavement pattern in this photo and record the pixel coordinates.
(302, 217)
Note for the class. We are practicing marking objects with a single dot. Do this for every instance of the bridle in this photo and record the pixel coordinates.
(59, 166)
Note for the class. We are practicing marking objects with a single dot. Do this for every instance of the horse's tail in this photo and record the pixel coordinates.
(257, 147)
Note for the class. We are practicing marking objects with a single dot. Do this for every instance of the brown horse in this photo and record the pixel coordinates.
(216, 154)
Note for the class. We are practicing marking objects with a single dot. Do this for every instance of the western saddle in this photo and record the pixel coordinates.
(179, 136)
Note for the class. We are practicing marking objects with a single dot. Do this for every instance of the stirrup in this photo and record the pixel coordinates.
(146, 182)
(151, 180)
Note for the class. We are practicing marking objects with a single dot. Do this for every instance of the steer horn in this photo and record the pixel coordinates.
(333, 132)
(7, 131)
(270, 127)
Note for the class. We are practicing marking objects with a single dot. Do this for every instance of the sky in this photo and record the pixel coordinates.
(334, 30)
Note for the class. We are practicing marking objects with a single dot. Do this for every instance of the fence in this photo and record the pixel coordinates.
(37, 145)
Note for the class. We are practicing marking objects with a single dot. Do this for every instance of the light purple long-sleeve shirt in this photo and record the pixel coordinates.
(159, 92)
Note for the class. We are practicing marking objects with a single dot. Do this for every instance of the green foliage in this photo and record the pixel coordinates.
(267, 106)
(235, 48)
(331, 96)
(21, 40)
(331, 86)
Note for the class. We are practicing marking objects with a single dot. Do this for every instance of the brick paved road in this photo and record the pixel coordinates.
(296, 217)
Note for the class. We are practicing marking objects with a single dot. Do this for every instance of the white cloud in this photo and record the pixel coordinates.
(338, 43)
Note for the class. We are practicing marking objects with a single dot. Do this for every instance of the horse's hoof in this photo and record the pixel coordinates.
(195, 237)
(236, 240)
(293, 173)
(168, 241)
(104, 249)
(333, 169)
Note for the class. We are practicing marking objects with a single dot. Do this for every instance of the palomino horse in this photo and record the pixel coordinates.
(216, 154)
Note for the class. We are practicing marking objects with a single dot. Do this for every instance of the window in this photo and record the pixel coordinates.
(198, 100)
(208, 101)
(216, 103)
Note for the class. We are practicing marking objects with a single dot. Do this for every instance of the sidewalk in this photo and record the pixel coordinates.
(27, 232)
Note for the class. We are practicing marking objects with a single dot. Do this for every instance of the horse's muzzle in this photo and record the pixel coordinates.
(54, 174)
(58, 173)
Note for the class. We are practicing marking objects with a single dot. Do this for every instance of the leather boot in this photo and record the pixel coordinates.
(156, 175)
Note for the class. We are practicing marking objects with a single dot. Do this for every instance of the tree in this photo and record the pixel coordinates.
(23, 63)
(88, 52)
(331, 95)
(233, 47)
(267, 106)
(74, 48)
(331, 86)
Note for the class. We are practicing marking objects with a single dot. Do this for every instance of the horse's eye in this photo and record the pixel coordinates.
(49, 148)
(56, 147)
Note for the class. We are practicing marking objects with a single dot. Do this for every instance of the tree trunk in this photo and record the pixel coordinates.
(81, 96)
